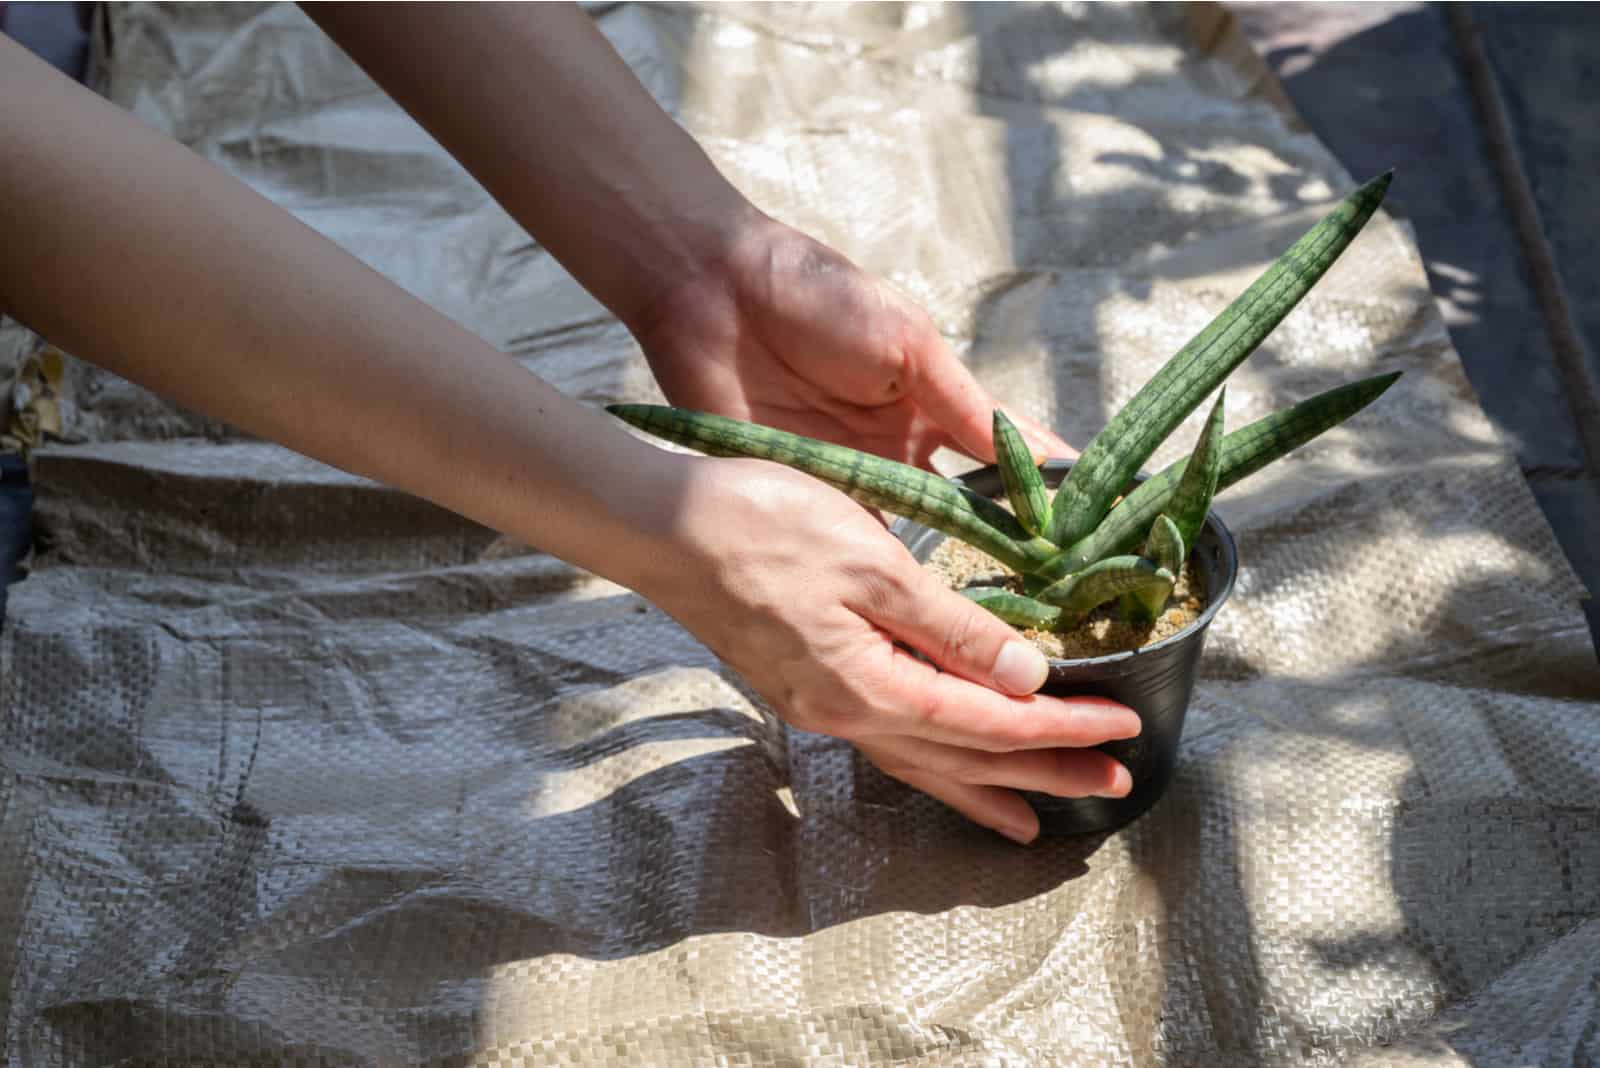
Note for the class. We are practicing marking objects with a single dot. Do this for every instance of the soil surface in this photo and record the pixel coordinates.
(1103, 632)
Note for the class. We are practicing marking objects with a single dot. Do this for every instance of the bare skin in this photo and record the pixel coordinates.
(130, 251)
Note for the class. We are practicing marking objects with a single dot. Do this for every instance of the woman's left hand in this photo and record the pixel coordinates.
(786, 332)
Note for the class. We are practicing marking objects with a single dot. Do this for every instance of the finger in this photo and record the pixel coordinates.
(1044, 443)
(952, 397)
(921, 702)
(1003, 811)
(979, 655)
(944, 388)
(1058, 772)
(954, 633)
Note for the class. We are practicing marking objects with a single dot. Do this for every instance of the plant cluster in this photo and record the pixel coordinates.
(1087, 545)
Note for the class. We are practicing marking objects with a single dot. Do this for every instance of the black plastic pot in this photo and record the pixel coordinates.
(1156, 681)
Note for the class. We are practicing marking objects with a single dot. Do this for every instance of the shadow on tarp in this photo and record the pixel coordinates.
(1446, 909)
(1394, 94)
(1490, 879)
(543, 888)
(624, 876)
(1169, 849)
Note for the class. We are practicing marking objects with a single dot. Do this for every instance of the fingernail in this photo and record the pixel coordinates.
(1020, 668)
(1118, 721)
(1020, 834)
(1121, 783)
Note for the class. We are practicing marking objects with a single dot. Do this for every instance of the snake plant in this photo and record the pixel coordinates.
(1086, 547)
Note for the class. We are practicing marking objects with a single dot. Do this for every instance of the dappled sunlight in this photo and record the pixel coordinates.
(467, 802)
(596, 779)
(671, 694)
(1459, 293)
(1360, 841)
(1284, 841)
(1335, 577)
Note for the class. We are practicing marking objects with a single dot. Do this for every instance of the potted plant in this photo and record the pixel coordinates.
(1108, 546)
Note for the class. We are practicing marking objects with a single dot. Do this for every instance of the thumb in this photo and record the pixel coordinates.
(957, 635)
(946, 389)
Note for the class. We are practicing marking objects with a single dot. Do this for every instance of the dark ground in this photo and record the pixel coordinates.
(1392, 84)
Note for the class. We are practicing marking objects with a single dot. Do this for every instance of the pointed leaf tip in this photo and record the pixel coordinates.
(1133, 434)
(1019, 472)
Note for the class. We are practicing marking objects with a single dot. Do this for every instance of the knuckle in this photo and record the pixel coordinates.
(930, 708)
(972, 768)
(897, 331)
(882, 593)
(898, 370)
(1018, 729)
(920, 329)
(962, 641)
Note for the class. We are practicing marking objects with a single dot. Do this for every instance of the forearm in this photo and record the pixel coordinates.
(132, 252)
(534, 101)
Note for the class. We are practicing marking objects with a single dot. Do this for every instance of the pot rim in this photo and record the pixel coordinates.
(1229, 566)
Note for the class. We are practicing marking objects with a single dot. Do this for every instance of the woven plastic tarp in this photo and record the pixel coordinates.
(296, 770)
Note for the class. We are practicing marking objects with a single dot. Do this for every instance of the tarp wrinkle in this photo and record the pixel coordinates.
(298, 770)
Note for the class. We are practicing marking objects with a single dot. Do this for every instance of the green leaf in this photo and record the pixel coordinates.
(895, 487)
(1079, 594)
(1164, 547)
(1014, 608)
(1244, 452)
(1020, 475)
(1118, 451)
(1192, 499)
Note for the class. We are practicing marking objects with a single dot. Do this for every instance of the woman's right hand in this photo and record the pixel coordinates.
(806, 595)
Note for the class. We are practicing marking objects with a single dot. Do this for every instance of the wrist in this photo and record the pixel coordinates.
(688, 254)
(687, 520)
(644, 537)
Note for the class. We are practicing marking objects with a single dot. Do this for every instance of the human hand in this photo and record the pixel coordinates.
(784, 331)
(806, 596)
(737, 313)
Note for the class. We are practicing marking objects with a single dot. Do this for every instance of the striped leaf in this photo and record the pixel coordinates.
(895, 487)
(1014, 608)
(1165, 545)
(1192, 499)
(1164, 548)
(1244, 452)
(1020, 475)
(1118, 451)
(1079, 594)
